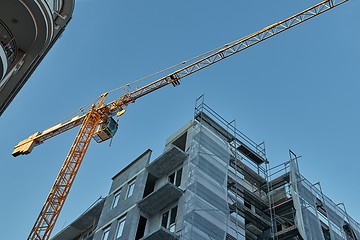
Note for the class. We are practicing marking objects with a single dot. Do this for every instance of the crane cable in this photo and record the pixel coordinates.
(174, 66)
(86, 107)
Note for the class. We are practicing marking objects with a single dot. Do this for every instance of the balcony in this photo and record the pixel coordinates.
(85, 223)
(161, 234)
(257, 217)
(160, 199)
(167, 162)
(287, 233)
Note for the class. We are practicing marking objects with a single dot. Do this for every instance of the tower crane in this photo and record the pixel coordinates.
(98, 122)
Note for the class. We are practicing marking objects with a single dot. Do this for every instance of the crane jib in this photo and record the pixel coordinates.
(101, 111)
(232, 49)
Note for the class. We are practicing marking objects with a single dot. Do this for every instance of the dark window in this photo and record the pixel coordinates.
(248, 205)
(141, 228)
(164, 221)
(173, 215)
(150, 185)
(175, 177)
(181, 142)
(172, 178)
(169, 219)
(178, 177)
(350, 235)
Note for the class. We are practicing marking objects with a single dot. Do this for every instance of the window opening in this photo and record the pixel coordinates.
(106, 234)
(164, 220)
(175, 177)
(116, 198)
(248, 205)
(120, 227)
(181, 142)
(130, 188)
(141, 228)
(350, 235)
(150, 185)
(169, 219)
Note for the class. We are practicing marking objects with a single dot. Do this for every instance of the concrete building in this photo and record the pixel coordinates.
(212, 182)
(28, 29)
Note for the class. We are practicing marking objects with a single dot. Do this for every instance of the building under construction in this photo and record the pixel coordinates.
(212, 182)
(229, 190)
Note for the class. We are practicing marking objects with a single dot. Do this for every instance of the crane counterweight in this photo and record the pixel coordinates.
(26, 146)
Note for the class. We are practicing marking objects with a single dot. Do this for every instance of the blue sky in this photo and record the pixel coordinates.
(298, 91)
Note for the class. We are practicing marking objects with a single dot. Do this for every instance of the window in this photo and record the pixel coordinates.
(150, 185)
(175, 177)
(247, 205)
(116, 198)
(181, 141)
(141, 228)
(349, 232)
(130, 188)
(120, 227)
(168, 220)
(106, 234)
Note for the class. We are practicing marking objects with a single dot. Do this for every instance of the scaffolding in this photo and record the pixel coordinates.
(232, 164)
(303, 211)
(205, 199)
(281, 202)
(232, 193)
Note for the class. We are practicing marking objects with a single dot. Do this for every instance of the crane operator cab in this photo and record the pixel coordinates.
(105, 130)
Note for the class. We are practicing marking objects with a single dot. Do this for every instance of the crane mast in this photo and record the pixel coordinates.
(61, 187)
(101, 112)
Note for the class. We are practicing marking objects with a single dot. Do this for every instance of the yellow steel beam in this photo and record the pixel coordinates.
(61, 187)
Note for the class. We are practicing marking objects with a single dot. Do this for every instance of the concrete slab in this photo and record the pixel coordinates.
(161, 234)
(82, 223)
(166, 162)
(160, 199)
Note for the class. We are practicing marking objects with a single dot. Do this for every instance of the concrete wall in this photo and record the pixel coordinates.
(126, 206)
(154, 221)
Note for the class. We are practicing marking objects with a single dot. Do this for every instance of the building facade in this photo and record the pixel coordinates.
(28, 29)
(212, 182)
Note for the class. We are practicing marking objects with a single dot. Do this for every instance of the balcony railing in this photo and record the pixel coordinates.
(8, 43)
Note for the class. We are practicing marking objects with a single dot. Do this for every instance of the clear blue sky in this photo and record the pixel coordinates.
(299, 91)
